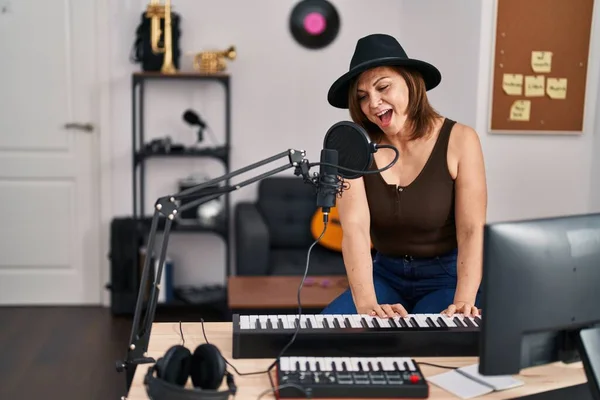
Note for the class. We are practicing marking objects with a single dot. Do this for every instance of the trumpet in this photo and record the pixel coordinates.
(155, 12)
(168, 67)
(213, 61)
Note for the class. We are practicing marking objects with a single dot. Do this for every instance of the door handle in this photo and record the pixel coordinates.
(82, 127)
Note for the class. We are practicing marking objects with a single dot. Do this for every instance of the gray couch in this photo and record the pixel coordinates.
(272, 235)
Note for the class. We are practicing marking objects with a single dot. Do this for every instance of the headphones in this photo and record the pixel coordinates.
(206, 367)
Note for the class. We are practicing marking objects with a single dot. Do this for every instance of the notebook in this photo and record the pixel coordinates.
(468, 383)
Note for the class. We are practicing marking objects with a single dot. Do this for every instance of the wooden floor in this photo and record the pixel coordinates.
(62, 352)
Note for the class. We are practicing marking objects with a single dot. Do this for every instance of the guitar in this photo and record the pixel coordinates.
(332, 238)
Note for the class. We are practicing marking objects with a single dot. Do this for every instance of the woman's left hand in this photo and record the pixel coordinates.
(460, 307)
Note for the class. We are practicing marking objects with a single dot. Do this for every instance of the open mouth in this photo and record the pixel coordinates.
(385, 116)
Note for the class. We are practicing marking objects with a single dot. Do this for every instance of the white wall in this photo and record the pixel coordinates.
(279, 101)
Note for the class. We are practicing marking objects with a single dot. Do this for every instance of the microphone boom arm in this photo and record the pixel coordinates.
(167, 206)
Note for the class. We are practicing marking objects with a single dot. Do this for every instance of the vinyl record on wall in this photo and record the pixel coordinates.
(314, 23)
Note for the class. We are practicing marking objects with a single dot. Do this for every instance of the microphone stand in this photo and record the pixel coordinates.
(168, 207)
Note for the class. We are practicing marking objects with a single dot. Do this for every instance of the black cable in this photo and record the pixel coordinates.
(298, 297)
(181, 333)
(436, 365)
(268, 370)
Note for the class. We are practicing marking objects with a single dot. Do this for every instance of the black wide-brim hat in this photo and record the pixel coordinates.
(378, 50)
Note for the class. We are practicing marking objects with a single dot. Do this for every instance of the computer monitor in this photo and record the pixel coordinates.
(541, 296)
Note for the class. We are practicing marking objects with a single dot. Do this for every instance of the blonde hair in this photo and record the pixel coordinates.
(420, 114)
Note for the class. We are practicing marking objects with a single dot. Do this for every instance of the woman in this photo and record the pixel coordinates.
(425, 215)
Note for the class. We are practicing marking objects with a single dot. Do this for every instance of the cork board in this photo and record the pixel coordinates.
(540, 66)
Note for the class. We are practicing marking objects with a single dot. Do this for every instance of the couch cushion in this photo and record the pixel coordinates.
(287, 204)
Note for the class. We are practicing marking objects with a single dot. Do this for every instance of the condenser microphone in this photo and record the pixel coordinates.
(329, 182)
(354, 149)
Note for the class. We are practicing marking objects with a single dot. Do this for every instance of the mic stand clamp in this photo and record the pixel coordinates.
(168, 207)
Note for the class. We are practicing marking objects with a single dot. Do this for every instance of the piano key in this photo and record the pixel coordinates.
(319, 319)
(420, 318)
(458, 320)
(383, 322)
(312, 363)
(291, 321)
(388, 364)
(368, 320)
(357, 320)
(263, 321)
(274, 320)
(284, 364)
(313, 321)
(336, 323)
(283, 321)
(354, 320)
(337, 363)
(302, 362)
(449, 321)
(293, 366)
(433, 318)
(244, 322)
(355, 361)
(347, 364)
(329, 319)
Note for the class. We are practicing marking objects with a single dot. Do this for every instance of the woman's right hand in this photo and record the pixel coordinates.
(382, 310)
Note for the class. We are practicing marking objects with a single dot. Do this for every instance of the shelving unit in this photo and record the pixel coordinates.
(140, 155)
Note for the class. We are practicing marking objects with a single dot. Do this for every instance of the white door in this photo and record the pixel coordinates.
(49, 241)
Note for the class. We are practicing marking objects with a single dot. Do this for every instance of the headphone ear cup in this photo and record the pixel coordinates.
(175, 366)
(208, 367)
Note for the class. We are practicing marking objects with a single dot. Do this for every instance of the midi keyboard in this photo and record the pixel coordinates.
(350, 377)
(355, 335)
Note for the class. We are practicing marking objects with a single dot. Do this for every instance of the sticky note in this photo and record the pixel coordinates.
(512, 84)
(556, 88)
(534, 86)
(520, 110)
(541, 61)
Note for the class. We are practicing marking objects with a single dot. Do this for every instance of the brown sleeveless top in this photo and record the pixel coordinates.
(416, 220)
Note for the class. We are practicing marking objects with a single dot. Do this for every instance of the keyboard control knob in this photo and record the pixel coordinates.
(414, 378)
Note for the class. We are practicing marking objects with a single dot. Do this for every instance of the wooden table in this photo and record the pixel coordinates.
(281, 292)
(165, 335)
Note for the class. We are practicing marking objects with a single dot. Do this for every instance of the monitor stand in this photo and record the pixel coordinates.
(589, 351)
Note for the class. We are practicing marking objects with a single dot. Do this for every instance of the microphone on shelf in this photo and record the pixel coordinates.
(192, 118)
(329, 183)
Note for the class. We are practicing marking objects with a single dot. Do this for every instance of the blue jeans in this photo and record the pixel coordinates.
(424, 285)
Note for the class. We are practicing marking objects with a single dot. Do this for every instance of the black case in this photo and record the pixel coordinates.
(126, 240)
(142, 48)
